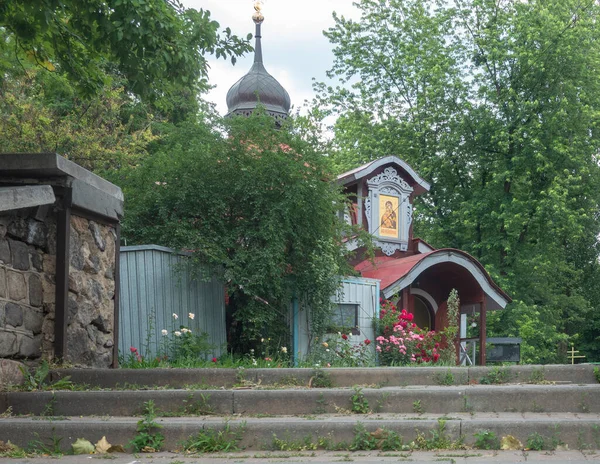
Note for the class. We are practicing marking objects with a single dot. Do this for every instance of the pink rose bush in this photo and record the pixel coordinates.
(401, 342)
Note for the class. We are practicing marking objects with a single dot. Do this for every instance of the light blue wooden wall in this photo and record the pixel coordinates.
(355, 290)
(154, 285)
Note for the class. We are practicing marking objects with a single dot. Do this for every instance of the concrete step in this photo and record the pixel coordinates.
(423, 399)
(577, 431)
(339, 377)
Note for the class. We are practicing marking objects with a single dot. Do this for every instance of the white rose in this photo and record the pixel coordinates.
(191, 316)
(164, 332)
(177, 333)
(175, 316)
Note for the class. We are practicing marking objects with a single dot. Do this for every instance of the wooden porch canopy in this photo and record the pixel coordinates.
(438, 271)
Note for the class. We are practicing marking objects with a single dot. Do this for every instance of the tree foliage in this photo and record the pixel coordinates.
(256, 209)
(158, 46)
(497, 103)
(42, 112)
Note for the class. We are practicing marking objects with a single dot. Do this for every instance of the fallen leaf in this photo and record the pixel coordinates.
(510, 443)
(116, 449)
(148, 449)
(82, 446)
(103, 446)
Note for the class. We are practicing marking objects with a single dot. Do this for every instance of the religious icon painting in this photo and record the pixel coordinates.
(388, 216)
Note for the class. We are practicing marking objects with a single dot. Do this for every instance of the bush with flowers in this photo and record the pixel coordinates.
(401, 342)
(339, 351)
(182, 345)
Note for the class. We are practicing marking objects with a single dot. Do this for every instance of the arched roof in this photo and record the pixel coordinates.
(396, 274)
(420, 185)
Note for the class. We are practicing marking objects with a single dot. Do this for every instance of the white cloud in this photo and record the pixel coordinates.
(294, 47)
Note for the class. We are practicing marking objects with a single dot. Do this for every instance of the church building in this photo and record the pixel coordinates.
(406, 269)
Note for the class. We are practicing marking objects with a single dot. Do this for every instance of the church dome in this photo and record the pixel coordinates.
(258, 87)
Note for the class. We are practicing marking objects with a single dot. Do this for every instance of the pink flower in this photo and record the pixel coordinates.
(214, 360)
(133, 349)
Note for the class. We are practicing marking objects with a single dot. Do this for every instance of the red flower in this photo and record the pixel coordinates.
(436, 356)
(345, 337)
(214, 360)
(367, 341)
(133, 349)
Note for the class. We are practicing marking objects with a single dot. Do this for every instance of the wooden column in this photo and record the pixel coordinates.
(61, 310)
(405, 299)
(482, 331)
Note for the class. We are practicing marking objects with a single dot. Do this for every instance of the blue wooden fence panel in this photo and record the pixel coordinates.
(154, 286)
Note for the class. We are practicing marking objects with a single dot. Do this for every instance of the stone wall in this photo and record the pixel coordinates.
(27, 267)
(90, 331)
(28, 289)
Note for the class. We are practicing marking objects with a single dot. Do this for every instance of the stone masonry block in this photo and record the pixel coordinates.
(33, 319)
(35, 291)
(19, 253)
(37, 260)
(4, 251)
(2, 283)
(11, 372)
(8, 344)
(29, 347)
(49, 265)
(17, 287)
(13, 314)
(77, 259)
(18, 228)
(48, 290)
(37, 233)
(97, 235)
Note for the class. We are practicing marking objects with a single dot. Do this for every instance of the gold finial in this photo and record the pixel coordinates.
(258, 16)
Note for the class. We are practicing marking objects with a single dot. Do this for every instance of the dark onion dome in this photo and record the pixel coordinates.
(258, 86)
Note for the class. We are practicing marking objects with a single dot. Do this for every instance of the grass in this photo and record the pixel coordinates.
(214, 441)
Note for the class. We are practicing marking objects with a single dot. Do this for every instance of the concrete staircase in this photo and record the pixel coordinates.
(559, 403)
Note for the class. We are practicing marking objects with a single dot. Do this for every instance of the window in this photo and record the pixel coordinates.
(344, 319)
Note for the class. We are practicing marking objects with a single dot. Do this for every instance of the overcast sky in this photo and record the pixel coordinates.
(294, 48)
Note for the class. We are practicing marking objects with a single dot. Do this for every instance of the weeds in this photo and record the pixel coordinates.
(381, 439)
(37, 380)
(305, 444)
(360, 405)
(439, 439)
(148, 439)
(8, 450)
(320, 379)
(496, 376)
(52, 447)
(321, 404)
(486, 440)
(538, 375)
(446, 379)
(597, 374)
(418, 407)
(213, 441)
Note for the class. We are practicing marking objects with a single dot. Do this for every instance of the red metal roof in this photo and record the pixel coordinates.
(389, 270)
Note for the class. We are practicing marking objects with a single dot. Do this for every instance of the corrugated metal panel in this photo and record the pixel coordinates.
(353, 290)
(154, 286)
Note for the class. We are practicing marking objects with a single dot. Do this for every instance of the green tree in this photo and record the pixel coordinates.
(158, 46)
(497, 104)
(42, 112)
(256, 208)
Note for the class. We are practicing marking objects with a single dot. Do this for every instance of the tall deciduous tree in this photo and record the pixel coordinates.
(497, 103)
(158, 46)
(257, 209)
